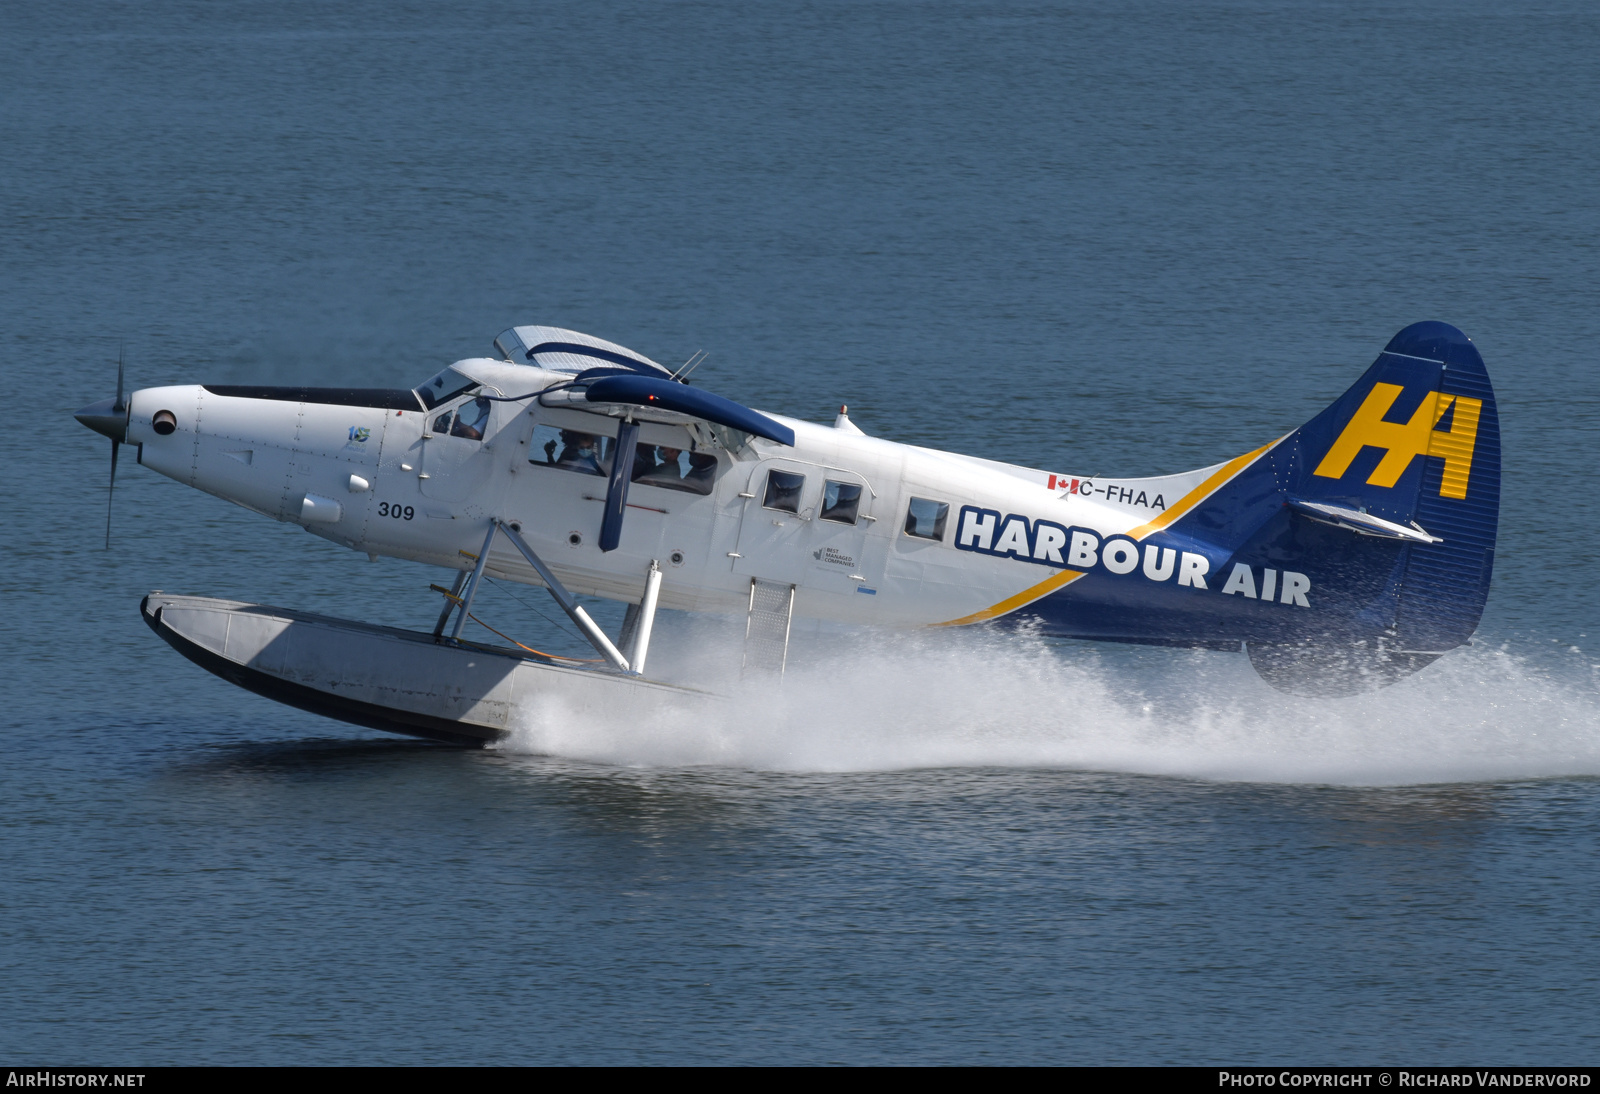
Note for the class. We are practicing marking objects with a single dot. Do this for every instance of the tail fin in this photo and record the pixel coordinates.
(1393, 499)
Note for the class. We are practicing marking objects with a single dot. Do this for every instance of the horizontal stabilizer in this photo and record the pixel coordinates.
(1342, 516)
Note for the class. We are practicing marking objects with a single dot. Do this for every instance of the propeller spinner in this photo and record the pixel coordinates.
(109, 417)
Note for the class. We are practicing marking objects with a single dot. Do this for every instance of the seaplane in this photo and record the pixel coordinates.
(1345, 555)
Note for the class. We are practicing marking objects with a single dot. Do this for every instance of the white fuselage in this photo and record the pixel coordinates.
(385, 482)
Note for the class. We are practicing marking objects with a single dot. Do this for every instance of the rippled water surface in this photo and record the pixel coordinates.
(1107, 237)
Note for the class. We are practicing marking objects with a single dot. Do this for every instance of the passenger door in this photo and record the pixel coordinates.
(805, 525)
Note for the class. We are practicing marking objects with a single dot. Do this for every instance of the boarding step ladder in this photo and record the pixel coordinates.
(766, 629)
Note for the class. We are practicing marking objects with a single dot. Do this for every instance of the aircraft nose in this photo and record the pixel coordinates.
(106, 418)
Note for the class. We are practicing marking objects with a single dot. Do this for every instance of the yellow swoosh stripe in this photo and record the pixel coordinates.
(1066, 577)
(1200, 493)
(1026, 596)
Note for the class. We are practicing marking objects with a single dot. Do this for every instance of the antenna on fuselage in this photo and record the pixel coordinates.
(694, 362)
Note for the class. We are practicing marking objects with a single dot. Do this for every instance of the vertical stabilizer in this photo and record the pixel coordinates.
(1414, 445)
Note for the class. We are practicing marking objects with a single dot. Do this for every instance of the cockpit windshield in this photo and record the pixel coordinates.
(447, 385)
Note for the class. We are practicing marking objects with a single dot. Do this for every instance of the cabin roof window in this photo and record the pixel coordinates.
(925, 519)
(840, 501)
(444, 387)
(783, 491)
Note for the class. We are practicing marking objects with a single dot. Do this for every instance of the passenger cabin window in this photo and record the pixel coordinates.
(571, 450)
(925, 519)
(783, 491)
(674, 468)
(841, 501)
(469, 420)
(444, 387)
(653, 465)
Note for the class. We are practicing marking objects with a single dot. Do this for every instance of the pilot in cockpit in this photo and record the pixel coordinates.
(471, 420)
(467, 421)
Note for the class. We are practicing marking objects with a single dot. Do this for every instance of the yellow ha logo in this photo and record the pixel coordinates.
(1404, 443)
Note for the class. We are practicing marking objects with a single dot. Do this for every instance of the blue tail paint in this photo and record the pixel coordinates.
(1373, 526)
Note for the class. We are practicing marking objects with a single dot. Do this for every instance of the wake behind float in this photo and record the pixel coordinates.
(1345, 555)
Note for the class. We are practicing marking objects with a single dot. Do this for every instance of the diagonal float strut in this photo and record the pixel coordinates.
(569, 604)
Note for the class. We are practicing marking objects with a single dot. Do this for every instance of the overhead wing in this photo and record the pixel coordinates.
(613, 390)
(650, 392)
(607, 374)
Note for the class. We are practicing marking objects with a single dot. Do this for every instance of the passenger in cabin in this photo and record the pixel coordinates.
(645, 464)
(676, 469)
(580, 452)
(702, 469)
(662, 469)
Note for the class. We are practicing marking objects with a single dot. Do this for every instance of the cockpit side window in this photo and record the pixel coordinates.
(469, 421)
(444, 387)
(472, 419)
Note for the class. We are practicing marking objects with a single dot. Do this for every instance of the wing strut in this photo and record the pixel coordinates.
(617, 488)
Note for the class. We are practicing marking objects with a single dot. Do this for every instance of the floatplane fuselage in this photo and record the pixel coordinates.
(1371, 528)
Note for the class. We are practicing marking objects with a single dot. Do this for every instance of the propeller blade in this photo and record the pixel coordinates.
(111, 489)
(119, 406)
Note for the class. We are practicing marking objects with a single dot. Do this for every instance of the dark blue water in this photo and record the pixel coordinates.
(1114, 237)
